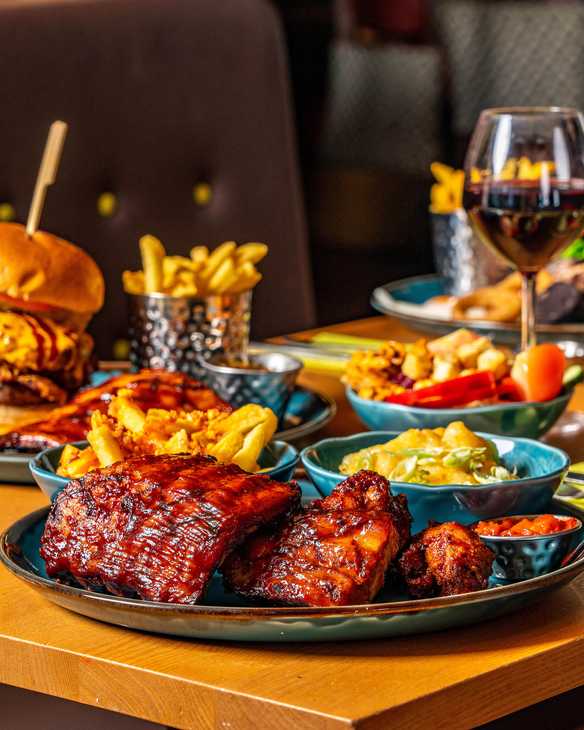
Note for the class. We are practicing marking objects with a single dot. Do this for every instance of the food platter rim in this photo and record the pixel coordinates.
(309, 427)
(277, 612)
(567, 328)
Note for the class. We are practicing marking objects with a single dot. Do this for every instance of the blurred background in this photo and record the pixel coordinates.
(181, 126)
(384, 87)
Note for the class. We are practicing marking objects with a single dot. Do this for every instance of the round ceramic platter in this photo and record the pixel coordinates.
(226, 617)
(306, 413)
(403, 299)
(14, 468)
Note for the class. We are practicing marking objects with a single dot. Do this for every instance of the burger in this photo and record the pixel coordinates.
(49, 290)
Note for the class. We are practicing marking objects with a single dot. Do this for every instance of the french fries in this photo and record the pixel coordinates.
(446, 193)
(229, 269)
(152, 252)
(127, 430)
(103, 441)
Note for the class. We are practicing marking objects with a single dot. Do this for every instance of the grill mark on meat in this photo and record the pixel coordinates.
(158, 526)
(335, 552)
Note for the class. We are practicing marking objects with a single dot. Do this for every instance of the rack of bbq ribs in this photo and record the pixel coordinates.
(158, 527)
(148, 388)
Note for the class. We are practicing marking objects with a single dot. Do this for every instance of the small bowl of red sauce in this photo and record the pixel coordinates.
(526, 546)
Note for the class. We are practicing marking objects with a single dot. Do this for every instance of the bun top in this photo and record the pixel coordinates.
(46, 270)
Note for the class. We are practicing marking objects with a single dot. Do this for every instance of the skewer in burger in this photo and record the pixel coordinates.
(49, 290)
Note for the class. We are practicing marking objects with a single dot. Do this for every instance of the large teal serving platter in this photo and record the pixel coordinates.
(525, 419)
(403, 300)
(540, 467)
(226, 617)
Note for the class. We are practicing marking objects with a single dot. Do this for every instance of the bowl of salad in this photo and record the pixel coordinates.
(461, 376)
(447, 473)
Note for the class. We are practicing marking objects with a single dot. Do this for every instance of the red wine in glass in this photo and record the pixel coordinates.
(525, 224)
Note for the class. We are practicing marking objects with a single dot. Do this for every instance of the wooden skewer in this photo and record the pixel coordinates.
(47, 174)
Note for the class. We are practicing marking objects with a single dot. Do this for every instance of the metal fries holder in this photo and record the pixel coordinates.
(463, 261)
(178, 333)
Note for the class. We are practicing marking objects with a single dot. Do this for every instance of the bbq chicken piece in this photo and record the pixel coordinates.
(445, 559)
(333, 553)
(150, 389)
(157, 527)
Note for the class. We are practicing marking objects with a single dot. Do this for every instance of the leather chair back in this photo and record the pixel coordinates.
(163, 98)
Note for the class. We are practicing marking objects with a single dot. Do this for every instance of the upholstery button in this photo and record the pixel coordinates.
(202, 194)
(107, 204)
(7, 212)
(121, 349)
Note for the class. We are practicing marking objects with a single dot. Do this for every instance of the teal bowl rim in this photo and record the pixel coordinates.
(291, 456)
(528, 538)
(351, 395)
(310, 465)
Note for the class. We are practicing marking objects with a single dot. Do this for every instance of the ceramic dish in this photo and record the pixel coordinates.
(528, 420)
(527, 556)
(278, 460)
(14, 468)
(403, 300)
(226, 617)
(268, 380)
(542, 468)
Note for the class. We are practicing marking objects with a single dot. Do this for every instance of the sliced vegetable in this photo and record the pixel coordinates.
(539, 372)
(509, 390)
(455, 392)
(572, 376)
(575, 250)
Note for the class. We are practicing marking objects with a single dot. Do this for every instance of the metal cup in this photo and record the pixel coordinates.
(180, 333)
(269, 380)
(463, 261)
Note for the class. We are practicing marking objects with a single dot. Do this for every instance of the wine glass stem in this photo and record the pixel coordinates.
(528, 309)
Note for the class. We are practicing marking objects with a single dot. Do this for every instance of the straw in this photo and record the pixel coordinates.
(47, 174)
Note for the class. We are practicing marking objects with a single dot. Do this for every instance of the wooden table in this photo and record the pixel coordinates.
(451, 679)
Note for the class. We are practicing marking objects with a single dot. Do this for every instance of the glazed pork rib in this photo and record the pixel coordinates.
(150, 389)
(157, 527)
(333, 553)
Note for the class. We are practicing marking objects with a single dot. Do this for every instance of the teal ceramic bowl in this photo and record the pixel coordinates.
(524, 557)
(528, 420)
(541, 469)
(278, 460)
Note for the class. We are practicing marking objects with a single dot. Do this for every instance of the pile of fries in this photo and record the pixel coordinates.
(446, 193)
(127, 430)
(229, 269)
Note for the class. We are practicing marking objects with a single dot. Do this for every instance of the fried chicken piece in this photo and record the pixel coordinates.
(149, 388)
(445, 559)
(333, 553)
(157, 526)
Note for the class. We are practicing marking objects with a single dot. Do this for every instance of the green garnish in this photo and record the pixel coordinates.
(572, 376)
(575, 250)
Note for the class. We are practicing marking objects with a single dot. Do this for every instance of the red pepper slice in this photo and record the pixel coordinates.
(509, 390)
(455, 392)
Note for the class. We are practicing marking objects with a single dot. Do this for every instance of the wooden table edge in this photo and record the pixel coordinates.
(203, 705)
(200, 697)
(481, 688)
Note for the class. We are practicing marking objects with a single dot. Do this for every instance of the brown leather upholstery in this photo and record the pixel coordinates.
(160, 95)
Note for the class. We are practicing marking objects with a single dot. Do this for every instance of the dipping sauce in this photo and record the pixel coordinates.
(524, 526)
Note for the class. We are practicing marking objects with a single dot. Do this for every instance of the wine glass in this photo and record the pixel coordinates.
(524, 190)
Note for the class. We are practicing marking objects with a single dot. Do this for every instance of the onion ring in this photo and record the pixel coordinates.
(496, 304)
